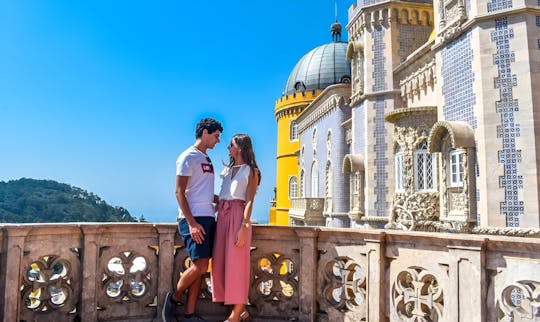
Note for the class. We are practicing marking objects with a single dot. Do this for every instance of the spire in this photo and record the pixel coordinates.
(335, 28)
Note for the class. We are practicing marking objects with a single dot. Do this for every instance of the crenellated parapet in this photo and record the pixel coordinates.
(293, 104)
(404, 13)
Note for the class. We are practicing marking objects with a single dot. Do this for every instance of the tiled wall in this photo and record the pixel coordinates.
(381, 159)
(496, 5)
(508, 129)
(410, 38)
(458, 78)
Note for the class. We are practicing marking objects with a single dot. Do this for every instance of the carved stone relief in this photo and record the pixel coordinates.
(345, 285)
(417, 296)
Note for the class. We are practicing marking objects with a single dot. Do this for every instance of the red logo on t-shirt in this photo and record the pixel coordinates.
(207, 167)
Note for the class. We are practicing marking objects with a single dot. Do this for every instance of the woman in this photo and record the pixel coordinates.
(230, 263)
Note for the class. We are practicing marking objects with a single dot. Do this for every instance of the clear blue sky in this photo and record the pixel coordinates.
(104, 95)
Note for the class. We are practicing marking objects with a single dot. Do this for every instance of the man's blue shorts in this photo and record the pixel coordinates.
(194, 250)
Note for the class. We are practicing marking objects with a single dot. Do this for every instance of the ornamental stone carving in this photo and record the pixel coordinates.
(417, 296)
(414, 212)
(48, 286)
(275, 281)
(520, 302)
(345, 285)
(408, 139)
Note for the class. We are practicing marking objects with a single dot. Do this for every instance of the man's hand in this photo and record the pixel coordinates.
(197, 232)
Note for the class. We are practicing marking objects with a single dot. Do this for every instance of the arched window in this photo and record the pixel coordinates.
(293, 187)
(355, 191)
(328, 187)
(314, 141)
(314, 180)
(293, 131)
(399, 170)
(302, 184)
(424, 168)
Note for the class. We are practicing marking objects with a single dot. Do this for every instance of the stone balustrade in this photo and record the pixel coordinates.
(121, 272)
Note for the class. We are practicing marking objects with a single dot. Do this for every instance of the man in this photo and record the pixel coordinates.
(196, 218)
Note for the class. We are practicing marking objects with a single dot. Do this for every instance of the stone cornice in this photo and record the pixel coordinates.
(332, 97)
(403, 112)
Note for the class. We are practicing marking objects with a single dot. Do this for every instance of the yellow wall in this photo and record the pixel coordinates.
(287, 108)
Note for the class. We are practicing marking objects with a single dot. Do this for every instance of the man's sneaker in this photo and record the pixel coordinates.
(167, 313)
(194, 318)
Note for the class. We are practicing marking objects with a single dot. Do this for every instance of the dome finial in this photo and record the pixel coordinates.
(335, 28)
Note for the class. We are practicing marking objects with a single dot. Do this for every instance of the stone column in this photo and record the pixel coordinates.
(14, 252)
(308, 279)
(467, 276)
(89, 267)
(166, 263)
(376, 286)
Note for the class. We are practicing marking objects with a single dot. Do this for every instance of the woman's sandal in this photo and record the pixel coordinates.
(244, 317)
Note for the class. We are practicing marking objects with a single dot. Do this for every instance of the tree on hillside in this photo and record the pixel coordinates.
(30, 201)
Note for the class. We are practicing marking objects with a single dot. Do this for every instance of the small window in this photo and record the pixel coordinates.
(293, 131)
(456, 168)
(300, 87)
(293, 187)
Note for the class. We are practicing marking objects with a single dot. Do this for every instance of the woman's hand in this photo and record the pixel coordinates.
(241, 236)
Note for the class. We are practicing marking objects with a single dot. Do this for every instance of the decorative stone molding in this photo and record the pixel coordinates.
(417, 296)
(390, 12)
(419, 80)
(331, 103)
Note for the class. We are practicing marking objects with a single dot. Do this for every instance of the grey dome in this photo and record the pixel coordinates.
(321, 67)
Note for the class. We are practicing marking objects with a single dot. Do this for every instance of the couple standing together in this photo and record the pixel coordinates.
(226, 240)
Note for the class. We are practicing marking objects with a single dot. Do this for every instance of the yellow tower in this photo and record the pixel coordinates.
(321, 67)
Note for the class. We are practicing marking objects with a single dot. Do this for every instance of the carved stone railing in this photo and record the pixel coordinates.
(121, 272)
(307, 212)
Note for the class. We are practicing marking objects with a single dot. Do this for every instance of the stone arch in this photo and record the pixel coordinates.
(461, 135)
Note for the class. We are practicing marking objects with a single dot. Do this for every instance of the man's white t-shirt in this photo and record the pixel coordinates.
(200, 186)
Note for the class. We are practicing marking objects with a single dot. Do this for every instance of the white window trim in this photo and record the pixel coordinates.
(424, 154)
(455, 157)
(293, 131)
(314, 180)
(291, 178)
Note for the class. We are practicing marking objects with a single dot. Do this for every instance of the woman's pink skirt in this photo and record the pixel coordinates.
(230, 264)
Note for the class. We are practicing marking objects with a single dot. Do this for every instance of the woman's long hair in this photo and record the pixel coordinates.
(246, 150)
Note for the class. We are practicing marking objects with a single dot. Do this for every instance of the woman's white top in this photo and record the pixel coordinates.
(235, 187)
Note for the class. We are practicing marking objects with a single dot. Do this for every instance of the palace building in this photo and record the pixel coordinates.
(424, 120)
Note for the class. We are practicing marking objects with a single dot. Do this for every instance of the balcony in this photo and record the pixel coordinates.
(307, 212)
(121, 272)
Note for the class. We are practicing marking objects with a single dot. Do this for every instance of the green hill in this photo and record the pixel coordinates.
(30, 201)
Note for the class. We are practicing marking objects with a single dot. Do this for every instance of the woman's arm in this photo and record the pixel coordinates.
(253, 183)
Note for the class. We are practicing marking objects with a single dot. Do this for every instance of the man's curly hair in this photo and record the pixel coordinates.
(208, 124)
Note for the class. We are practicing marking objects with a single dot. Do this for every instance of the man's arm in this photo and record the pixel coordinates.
(195, 229)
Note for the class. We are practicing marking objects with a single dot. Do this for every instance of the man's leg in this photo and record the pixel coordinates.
(191, 280)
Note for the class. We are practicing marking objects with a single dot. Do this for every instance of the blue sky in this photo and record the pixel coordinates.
(104, 95)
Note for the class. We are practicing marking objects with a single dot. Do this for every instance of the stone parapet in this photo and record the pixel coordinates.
(121, 272)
